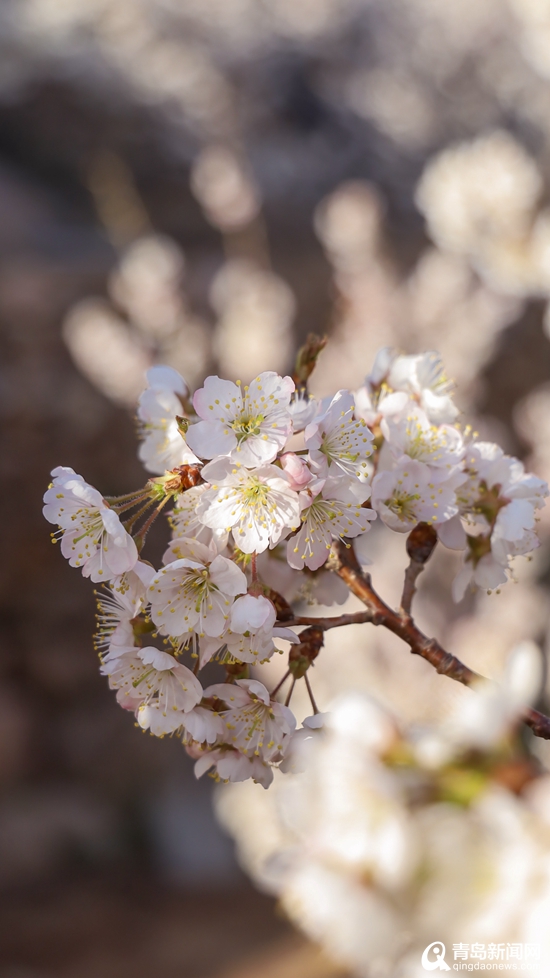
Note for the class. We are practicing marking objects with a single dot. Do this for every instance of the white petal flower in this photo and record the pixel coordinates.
(189, 596)
(303, 409)
(486, 573)
(250, 423)
(412, 434)
(117, 605)
(93, 537)
(163, 446)
(250, 634)
(163, 689)
(186, 525)
(408, 495)
(257, 506)
(254, 725)
(339, 441)
(423, 376)
(231, 765)
(336, 513)
(203, 726)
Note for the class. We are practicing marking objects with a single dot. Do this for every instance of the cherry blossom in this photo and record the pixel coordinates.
(163, 688)
(92, 535)
(409, 494)
(250, 423)
(258, 506)
(286, 478)
(163, 445)
(424, 377)
(336, 512)
(337, 441)
(193, 596)
(118, 605)
(410, 433)
(231, 765)
(254, 724)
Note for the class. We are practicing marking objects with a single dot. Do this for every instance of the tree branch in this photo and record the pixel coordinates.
(402, 625)
(357, 618)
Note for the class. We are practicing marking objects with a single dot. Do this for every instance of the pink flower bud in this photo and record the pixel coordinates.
(297, 470)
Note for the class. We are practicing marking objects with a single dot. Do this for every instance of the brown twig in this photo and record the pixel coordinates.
(409, 585)
(402, 625)
(357, 618)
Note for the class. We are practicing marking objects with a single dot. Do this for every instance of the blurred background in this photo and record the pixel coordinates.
(201, 183)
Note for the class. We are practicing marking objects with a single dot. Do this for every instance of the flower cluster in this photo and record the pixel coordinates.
(263, 476)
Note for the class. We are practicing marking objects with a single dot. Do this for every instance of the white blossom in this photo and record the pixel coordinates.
(203, 726)
(186, 525)
(410, 433)
(423, 377)
(410, 494)
(335, 513)
(251, 423)
(258, 506)
(195, 596)
(118, 605)
(255, 725)
(163, 688)
(230, 765)
(303, 409)
(338, 441)
(163, 446)
(92, 535)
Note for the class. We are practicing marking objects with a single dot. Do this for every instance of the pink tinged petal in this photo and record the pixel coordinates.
(218, 400)
(144, 571)
(203, 726)
(452, 534)
(157, 658)
(120, 556)
(205, 762)
(297, 470)
(166, 378)
(208, 440)
(208, 646)
(257, 451)
(287, 635)
(229, 693)
(489, 574)
(215, 620)
(229, 578)
(250, 613)
(157, 407)
(514, 519)
(252, 686)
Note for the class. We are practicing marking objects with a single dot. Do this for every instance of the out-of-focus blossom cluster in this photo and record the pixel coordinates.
(264, 468)
(113, 343)
(378, 840)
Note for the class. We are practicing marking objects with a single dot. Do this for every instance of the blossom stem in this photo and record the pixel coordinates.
(310, 693)
(115, 500)
(129, 523)
(134, 502)
(290, 692)
(280, 683)
(142, 533)
(402, 625)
